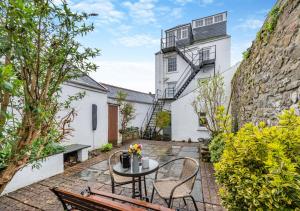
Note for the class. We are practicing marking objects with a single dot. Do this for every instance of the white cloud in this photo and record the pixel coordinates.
(107, 13)
(176, 13)
(137, 40)
(142, 11)
(250, 24)
(133, 75)
(205, 2)
(183, 2)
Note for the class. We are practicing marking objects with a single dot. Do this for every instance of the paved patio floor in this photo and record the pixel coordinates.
(94, 173)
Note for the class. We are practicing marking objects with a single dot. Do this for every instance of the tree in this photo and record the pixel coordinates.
(127, 111)
(163, 120)
(40, 52)
(209, 98)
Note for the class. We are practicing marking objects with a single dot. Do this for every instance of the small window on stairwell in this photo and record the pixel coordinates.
(206, 54)
(202, 119)
(170, 91)
(172, 66)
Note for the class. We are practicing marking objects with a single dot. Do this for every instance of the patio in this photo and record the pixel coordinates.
(94, 173)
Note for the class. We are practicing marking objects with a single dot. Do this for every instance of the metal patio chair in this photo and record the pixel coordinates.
(117, 180)
(181, 187)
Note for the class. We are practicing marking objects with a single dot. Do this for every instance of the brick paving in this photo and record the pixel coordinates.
(94, 173)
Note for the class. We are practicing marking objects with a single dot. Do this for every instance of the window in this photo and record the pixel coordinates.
(218, 18)
(170, 89)
(198, 23)
(170, 39)
(202, 119)
(184, 33)
(172, 64)
(206, 54)
(208, 21)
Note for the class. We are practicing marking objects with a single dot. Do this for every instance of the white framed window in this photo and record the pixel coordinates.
(209, 21)
(172, 64)
(202, 121)
(184, 33)
(199, 23)
(170, 92)
(218, 18)
(206, 54)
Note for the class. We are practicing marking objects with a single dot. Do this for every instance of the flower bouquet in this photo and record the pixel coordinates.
(136, 152)
(135, 149)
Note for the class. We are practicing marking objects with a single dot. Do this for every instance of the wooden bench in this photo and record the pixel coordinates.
(99, 200)
(80, 149)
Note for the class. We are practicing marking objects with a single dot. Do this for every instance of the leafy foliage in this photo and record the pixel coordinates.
(273, 18)
(246, 54)
(260, 166)
(106, 147)
(163, 120)
(210, 97)
(216, 148)
(127, 111)
(217, 145)
(39, 52)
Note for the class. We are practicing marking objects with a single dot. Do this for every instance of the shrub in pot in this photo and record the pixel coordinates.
(260, 166)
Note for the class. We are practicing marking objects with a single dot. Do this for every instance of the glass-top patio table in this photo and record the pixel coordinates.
(138, 173)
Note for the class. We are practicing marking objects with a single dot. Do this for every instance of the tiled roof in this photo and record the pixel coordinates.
(132, 95)
(88, 82)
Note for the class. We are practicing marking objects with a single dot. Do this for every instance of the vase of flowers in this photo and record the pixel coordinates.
(136, 152)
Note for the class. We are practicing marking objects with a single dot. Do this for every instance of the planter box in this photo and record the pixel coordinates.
(49, 166)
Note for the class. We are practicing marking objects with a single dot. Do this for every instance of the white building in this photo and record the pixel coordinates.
(189, 52)
(95, 96)
(141, 103)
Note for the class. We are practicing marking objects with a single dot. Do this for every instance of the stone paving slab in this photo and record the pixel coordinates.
(94, 173)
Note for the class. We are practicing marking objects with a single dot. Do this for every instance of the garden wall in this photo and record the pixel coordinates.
(268, 79)
(49, 167)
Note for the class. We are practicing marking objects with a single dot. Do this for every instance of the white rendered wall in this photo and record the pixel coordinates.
(82, 125)
(49, 167)
(141, 110)
(185, 123)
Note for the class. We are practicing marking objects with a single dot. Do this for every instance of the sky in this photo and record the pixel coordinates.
(128, 32)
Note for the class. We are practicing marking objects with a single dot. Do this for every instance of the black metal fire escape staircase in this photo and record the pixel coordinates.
(196, 61)
(149, 124)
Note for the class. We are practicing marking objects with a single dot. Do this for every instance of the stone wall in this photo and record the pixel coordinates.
(268, 81)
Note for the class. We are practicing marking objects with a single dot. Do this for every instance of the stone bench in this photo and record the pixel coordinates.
(82, 151)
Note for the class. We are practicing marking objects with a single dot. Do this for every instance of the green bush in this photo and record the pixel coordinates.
(106, 147)
(260, 166)
(216, 148)
(217, 145)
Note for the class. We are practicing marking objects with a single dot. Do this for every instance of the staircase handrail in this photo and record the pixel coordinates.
(151, 108)
(187, 72)
(197, 60)
(168, 41)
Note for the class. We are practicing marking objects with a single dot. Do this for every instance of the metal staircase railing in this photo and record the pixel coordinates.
(203, 56)
(195, 57)
(158, 103)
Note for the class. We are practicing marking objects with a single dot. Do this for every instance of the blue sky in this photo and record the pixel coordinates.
(128, 32)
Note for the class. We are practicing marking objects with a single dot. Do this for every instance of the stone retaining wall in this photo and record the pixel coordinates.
(268, 81)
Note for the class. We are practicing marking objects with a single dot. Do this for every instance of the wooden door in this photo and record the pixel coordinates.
(113, 124)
